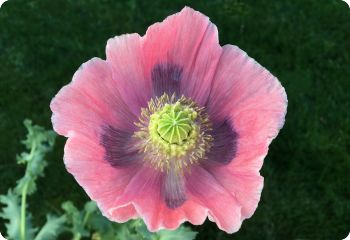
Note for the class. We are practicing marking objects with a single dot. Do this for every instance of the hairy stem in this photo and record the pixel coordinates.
(23, 212)
(24, 198)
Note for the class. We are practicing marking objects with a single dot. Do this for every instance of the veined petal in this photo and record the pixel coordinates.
(173, 189)
(224, 146)
(245, 185)
(90, 101)
(126, 58)
(255, 102)
(119, 145)
(253, 99)
(145, 194)
(187, 40)
(222, 206)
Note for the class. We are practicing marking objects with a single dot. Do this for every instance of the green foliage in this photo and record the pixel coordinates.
(38, 143)
(180, 234)
(52, 228)
(77, 219)
(12, 213)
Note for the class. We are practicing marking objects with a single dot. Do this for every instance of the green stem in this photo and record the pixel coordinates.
(24, 198)
(23, 212)
(87, 215)
(32, 151)
(76, 236)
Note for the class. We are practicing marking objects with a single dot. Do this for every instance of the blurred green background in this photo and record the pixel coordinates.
(305, 43)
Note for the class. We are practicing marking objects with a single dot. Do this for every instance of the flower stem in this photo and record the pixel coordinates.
(76, 236)
(24, 198)
(23, 212)
(86, 217)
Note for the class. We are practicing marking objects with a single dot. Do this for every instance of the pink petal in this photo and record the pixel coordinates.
(187, 39)
(143, 192)
(84, 159)
(122, 213)
(245, 185)
(255, 102)
(90, 101)
(253, 99)
(124, 53)
(222, 205)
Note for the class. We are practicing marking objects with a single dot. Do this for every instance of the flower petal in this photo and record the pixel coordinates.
(124, 53)
(189, 40)
(166, 78)
(222, 206)
(245, 185)
(173, 189)
(144, 192)
(253, 99)
(84, 159)
(122, 213)
(224, 144)
(90, 101)
(119, 145)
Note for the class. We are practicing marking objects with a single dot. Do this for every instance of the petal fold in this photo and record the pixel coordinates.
(222, 206)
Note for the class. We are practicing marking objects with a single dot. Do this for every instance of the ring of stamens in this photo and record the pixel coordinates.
(173, 133)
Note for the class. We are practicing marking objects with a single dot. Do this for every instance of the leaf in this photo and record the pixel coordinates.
(141, 229)
(89, 220)
(102, 227)
(182, 233)
(38, 142)
(52, 228)
(12, 213)
(76, 219)
(125, 233)
(90, 207)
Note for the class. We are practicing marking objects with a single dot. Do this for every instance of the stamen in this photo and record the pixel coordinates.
(173, 132)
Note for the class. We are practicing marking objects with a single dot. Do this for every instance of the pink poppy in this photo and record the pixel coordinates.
(171, 127)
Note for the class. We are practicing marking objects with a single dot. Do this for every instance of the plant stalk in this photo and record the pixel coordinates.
(24, 198)
(23, 212)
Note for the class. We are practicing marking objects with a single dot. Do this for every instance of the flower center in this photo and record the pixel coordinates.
(173, 132)
(174, 123)
(173, 129)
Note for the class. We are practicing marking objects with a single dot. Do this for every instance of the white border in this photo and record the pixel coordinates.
(1, 237)
(347, 2)
(1, 2)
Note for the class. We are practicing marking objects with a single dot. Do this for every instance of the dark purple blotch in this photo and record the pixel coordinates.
(166, 78)
(119, 147)
(173, 189)
(224, 147)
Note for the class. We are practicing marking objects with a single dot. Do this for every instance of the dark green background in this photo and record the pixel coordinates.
(306, 44)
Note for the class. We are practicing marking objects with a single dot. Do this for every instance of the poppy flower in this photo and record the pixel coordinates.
(171, 127)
